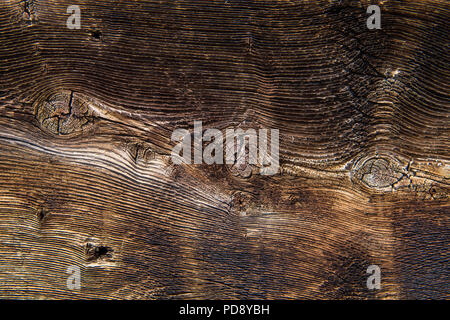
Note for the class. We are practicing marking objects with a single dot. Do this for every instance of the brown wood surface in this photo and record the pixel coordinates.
(86, 177)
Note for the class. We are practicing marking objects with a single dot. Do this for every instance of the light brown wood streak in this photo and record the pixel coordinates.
(86, 178)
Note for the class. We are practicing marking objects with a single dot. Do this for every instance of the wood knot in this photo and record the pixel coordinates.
(243, 170)
(242, 203)
(64, 113)
(378, 173)
(96, 252)
(29, 12)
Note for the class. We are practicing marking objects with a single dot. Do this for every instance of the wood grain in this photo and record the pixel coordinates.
(86, 178)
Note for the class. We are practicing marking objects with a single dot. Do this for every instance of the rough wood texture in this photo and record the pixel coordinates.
(86, 178)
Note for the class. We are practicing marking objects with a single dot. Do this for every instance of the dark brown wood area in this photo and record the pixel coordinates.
(86, 178)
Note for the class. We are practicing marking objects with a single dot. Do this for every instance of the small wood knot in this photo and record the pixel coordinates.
(94, 252)
(140, 151)
(41, 215)
(243, 166)
(96, 34)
